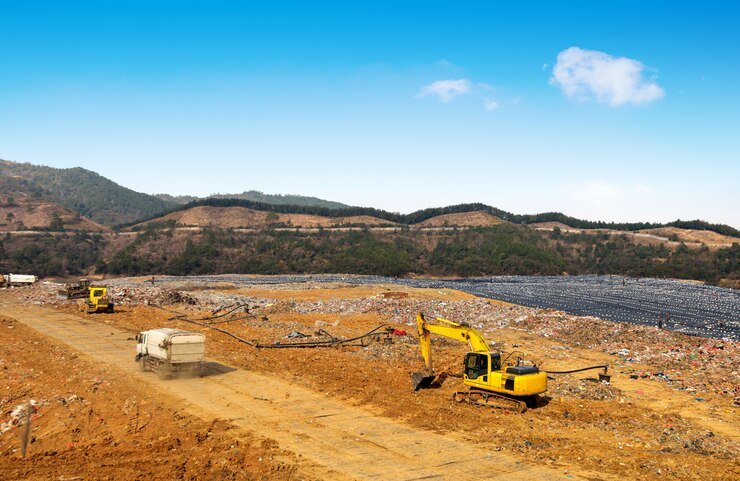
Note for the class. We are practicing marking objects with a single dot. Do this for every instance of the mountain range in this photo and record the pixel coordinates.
(80, 199)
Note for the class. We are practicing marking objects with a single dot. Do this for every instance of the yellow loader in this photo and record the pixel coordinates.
(97, 301)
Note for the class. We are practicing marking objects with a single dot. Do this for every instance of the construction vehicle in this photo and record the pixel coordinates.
(96, 301)
(169, 352)
(18, 279)
(78, 290)
(502, 382)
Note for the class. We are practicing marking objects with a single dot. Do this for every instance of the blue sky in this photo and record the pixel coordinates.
(611, 111)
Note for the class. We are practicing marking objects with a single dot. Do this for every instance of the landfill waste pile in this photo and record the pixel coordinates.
(690, 308)
(687, 363)
(584, 389)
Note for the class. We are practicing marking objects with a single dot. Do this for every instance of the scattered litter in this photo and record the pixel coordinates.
(18, 414)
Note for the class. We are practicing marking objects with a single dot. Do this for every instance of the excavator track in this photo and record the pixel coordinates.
(490, 399)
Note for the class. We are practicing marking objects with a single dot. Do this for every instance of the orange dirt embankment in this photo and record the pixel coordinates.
(92, 422)
(353, 292)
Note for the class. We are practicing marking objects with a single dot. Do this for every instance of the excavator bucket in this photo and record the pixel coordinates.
(421, 380)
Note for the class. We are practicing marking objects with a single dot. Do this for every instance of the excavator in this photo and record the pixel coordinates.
(505, 383)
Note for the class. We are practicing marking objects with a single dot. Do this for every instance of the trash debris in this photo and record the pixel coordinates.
(18, 415)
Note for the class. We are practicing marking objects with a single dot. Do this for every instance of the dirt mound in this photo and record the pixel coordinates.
(465, 219)
(241, 217)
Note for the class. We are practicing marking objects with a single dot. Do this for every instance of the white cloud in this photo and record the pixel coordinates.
(446, 90)
(590, 74)
(490, 105)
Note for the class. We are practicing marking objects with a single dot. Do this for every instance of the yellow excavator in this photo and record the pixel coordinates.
(492, 380)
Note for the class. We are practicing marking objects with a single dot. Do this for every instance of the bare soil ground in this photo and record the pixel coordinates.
(638, 427)
(91, 422)
(330, 292)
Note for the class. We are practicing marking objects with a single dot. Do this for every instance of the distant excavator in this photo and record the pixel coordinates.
(501, 383)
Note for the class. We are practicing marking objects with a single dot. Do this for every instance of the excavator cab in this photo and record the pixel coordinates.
(481, 364)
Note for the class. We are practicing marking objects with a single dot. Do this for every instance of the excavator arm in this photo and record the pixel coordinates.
(448, 329)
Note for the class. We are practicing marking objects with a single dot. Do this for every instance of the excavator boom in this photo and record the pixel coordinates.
(445, 328)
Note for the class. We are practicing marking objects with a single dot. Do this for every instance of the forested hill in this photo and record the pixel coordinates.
(422, 215)
(503, 249)
(84, 191)
(106, 202)
(257, 196)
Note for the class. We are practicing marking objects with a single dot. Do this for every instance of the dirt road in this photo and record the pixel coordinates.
(347, 441)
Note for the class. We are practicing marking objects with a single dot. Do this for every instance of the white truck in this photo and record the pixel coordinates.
(169, 352)
(18, 279)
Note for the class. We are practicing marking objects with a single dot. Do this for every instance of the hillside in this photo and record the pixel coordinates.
(504, 249)
(81, 190)
(239, 213)
(672, 237)
(464, 219)
(241, 217)
(257, 196)
(422, 215)
(92, 196)
(709, 238)
(30, 214)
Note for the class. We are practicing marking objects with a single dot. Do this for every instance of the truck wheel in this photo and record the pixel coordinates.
(142, 364)
(162, 371)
